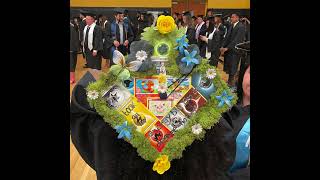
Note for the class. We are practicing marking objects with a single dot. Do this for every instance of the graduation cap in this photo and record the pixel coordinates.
(217, 15)
(119, 11)
(143, 12)
(210, 18)
(91, 15)
(201, 16)
(187, 13)
(245, 46)
(83, 12)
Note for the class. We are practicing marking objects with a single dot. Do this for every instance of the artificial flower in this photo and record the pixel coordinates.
(124, 131)
(162, 88)
(196, 129)
(211, 73)
(135, 55)
(162, 78)
(93, 94)
(165, 24)
(141, 55)
(162, 164)
(190, 57)
(224, 98)
(182, 43)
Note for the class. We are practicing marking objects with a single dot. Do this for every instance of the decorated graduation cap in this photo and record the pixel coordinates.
(169, 96)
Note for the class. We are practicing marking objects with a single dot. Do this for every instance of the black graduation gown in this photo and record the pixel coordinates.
(107, 43)
(94, 62)
(234, 36)
(141, 25)
(191, 33)
(115, 159)
(82, 24)
(74, 47)
(126, 36)
(201, 44)
(215, 44)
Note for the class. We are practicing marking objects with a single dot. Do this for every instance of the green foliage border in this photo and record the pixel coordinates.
(207, 116)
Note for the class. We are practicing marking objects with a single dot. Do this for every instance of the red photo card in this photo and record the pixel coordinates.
(158, 136)
(191, 102)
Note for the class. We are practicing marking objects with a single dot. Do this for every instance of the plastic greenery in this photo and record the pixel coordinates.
(167, 44)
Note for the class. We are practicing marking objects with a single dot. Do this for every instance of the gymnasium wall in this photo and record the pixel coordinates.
(121, 3)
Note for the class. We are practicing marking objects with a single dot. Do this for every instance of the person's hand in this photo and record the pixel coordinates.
(126, 42)
(204, 38)
(94, 53)
(116, 43)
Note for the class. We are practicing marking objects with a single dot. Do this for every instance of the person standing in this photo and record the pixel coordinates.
(190, 30)
(119, 34)
(82, 24)
(235, 35)
(93, 44)
(142, 23)
(214, 40)
(201, 29)
(74, 48)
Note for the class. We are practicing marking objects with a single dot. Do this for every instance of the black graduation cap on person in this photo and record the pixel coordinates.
(245, 46)
(83, 12)
(217, 15)
(91, 14)
(143, 12)
(187, 13)
(201, 16)
(119, 11)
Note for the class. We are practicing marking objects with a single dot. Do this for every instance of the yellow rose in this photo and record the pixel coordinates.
(165, 24)
(162, 78)
(161, 164)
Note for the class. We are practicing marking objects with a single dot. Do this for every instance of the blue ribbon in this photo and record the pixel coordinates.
(124, 131)
(224, 98)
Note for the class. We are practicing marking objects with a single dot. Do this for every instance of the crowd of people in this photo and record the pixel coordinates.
(216, 36)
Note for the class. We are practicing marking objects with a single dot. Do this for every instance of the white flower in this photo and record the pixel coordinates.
(162, 88)
(93, 94)
(211, 73)
(197, 129)
(141, 55)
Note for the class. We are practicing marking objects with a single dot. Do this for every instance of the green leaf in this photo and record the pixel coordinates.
(115, 69)
(124, 75)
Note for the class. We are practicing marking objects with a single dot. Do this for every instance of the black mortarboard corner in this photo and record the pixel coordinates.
(119, 11)
(91, 14)
(187, 13)
(245, 46)
(217, 15)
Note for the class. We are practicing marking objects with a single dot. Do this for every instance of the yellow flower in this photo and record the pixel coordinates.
(161, 164)
(165, 24)
(162, 78)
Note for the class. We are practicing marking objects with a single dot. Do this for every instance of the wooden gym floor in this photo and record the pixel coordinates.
(79, 170)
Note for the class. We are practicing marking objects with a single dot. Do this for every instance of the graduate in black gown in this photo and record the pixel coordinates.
(93, 43)
(187, 23)
(201, 29)
(74, 48)
(214, 40)
(142, 23)
(216, 157)
(82, 24)
(235, 35)
(119, 34)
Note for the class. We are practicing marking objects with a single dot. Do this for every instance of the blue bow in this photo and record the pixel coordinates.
(124, 130)
(182, 43)
(190, 57)
(224, 98)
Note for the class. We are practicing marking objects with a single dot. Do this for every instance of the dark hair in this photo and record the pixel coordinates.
(240, 81)
(237, 14)
(211, 26)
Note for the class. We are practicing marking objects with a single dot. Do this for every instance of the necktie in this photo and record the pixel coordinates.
(86, 38)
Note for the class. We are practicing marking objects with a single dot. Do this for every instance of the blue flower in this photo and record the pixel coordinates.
(190, 57)
(124, 131)
(224, 98)
(182, 43)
